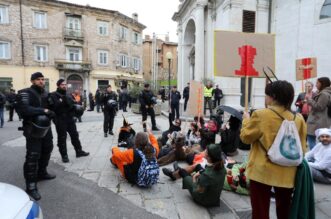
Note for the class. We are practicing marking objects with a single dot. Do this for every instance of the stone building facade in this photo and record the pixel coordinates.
(156, 65)
(90, 47)
(298, 27)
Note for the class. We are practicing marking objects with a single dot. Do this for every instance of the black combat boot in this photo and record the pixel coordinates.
(44, 175)
(82, 153)
(32, 190)
(65, 158)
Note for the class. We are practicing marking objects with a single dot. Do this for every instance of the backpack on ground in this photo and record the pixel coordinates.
(148, 173)
(286, 150)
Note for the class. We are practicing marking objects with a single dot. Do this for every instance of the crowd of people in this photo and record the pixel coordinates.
(207, 162)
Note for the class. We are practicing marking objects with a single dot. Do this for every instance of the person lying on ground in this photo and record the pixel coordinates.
(131, 161)
(206, 184)
(319, 158)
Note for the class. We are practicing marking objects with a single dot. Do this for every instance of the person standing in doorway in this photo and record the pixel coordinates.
(110, 107)
(186, 95)
(174, 98)
(208, 90)
(63, 106)
(78, 100)
(218, 95)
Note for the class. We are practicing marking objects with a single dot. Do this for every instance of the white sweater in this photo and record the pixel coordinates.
(322, 156)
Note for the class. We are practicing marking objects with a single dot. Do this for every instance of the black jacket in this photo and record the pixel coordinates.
(217, 93)
(31, 102)
(2, 100)
(61, 103)
(175, 97)
(186, 93)
(145, 98)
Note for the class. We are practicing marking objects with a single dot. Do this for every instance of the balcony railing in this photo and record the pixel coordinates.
(70, 33)
(73, 66)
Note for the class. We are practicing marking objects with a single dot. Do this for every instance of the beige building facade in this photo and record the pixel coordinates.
(89, 47)
(156, 63)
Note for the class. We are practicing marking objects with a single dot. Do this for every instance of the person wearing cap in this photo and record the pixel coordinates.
(147, 107)
(186, 95)
(206, 183)
(319, 158)
(126, 135)
(109, 113)
(31, 103)
(63, 106)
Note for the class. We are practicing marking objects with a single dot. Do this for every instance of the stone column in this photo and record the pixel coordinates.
(180, 75)
(200, 40)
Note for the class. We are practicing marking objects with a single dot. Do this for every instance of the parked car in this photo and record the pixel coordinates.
(16, 204)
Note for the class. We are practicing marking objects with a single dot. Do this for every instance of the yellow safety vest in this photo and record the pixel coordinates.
(208, 92)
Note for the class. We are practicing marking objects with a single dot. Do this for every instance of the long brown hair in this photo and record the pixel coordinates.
(141, 142)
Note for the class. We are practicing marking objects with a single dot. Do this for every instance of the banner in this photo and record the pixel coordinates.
(306, 68)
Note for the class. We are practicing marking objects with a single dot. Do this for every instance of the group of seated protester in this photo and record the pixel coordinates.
(205, 175)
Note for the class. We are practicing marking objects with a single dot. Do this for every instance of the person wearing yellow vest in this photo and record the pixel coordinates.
(207, 93)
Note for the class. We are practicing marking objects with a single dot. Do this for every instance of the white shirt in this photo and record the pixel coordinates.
(322, 156)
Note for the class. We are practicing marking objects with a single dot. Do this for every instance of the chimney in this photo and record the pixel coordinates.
(135, 16)
(147, 37)
(167, 37)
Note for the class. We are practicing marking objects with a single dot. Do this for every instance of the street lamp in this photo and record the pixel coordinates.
(169, 57)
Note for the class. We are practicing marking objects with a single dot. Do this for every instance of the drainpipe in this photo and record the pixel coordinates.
(269, 17)
(22, 40)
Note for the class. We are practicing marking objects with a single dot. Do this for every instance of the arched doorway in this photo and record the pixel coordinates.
(74, 82)
(189, 52)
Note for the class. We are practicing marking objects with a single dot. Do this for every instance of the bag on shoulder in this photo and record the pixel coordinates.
(286, 150)
(148, 173)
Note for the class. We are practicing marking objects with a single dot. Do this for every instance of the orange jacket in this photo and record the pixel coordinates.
(122, 158)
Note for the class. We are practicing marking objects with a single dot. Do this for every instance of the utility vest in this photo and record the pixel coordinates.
(208, 92)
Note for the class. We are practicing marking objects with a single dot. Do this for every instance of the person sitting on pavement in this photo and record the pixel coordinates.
(207, 133)
(173, 127)
(126, 135)
(230, 136)
(319, 158)
(193, 135)
(173, 150)
(129, 161)
(207, 181)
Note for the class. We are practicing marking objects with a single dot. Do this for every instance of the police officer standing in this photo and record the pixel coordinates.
(207, 93)
(32, 106)
(147, 101)
(109, 101)
(174, 102)
(64, 108)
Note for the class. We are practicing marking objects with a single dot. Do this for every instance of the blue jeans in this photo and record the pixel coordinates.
(311, 141)
(1, 116)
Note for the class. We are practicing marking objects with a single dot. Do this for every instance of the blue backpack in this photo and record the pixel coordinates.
(148, 173)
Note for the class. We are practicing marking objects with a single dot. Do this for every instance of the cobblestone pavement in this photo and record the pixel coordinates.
(167, 198)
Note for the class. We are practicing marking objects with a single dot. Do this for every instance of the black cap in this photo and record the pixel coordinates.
(60, 81)
(36, 75)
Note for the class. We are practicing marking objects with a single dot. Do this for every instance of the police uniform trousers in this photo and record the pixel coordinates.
(151, 112)
(108, 120)
(38, 153)
(63, 125)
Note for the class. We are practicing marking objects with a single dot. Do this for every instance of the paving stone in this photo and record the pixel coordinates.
(192, 211)
(238, 202)
(163, 207)
(108, 180)
(98, 163)
(94, 176)
(128, 189)
(158, 191)
(324, 207)
(135, 199)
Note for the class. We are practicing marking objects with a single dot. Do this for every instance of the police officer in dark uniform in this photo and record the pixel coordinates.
(32, 106)
(147, 101)
(109, 110)
(64, 108)
(174, 98)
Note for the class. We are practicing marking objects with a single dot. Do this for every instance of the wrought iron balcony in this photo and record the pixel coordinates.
(75, 34)
(73, 66)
